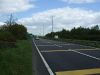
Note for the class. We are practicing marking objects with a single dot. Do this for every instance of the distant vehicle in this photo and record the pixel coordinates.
(37, 38)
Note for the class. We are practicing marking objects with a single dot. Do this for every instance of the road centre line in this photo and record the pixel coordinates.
(86, 55)
(44, 61)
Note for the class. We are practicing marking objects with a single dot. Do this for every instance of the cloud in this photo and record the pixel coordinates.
(10, 6)
(79, 1)
(1, 23)
(63, 18)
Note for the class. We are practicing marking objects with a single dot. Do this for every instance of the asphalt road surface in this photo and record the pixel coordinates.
(61, 58)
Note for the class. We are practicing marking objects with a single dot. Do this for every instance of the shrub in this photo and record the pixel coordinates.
(6, 36)
(19, 31)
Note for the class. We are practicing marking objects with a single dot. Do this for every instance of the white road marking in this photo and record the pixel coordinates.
(44, 61)
(67, 50)
(87, 46)
(45, 45)
(48, 42)
(86, 49)
(56, 51)
(86, 55)
(57, 45)
(67, 44)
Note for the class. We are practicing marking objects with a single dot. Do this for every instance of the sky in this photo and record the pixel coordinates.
(36, 15)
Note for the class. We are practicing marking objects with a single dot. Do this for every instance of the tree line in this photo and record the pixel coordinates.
(79, 33)
(10, 32)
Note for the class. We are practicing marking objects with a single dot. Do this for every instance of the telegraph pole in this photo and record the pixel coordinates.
(43, 29)
(52, 24)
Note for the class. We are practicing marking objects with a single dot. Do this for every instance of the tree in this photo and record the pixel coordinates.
(18, 30)
(95, 27)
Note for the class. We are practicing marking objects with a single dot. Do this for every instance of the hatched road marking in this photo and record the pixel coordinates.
(73, 51)
(86, 55)
(80, 72)
(67, 50)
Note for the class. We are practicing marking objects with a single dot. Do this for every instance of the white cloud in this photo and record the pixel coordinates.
(10, 6)
(79, 1)
(1, 23)
(63, 18)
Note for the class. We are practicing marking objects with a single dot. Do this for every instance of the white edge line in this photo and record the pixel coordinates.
(86, 55)
(44, 61)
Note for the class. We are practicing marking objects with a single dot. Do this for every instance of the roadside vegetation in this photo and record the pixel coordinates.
(80, 35)
(15, 49)
(17, 61)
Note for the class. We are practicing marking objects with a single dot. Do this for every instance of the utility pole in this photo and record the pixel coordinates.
(10, 19)
(43, 29)
(52, 24)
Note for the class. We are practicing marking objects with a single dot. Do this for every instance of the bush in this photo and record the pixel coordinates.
(19, 31)
(7, 36)
(7, 39)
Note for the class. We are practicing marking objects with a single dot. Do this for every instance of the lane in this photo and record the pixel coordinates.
(54, 45)
(67, 58)
(62, 61)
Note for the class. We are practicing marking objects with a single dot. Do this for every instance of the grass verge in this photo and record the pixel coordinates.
(17, 61)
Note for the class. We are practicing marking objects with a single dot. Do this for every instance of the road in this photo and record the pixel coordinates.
(61, 58)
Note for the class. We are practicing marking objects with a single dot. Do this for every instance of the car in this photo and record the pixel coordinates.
(37, 38)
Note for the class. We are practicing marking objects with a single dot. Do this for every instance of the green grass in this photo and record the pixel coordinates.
(17, 61)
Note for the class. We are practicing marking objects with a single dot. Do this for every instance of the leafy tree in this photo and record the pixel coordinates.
(79, 33)
(19, 31)
(95, 27)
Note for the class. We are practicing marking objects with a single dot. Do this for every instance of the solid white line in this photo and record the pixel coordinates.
(86, 55)
(44, 61)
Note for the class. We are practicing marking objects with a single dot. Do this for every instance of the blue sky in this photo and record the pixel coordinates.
(44, 5)
(36, 13)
